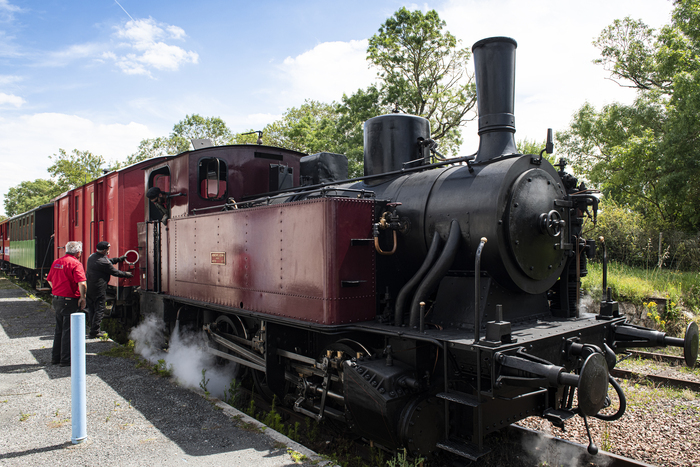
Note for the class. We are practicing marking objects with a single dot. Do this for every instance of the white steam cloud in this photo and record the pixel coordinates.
(546, 452)
(588, 305)
(187, 356)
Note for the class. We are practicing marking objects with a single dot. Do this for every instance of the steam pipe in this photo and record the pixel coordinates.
(417, 277)
(437, 272)
(623, 403)
(605, 266)
(477, 287)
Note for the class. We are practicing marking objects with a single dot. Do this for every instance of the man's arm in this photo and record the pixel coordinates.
(107, 267)
(82, 286)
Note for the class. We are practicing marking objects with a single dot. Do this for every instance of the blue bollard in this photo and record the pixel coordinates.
(77, 377)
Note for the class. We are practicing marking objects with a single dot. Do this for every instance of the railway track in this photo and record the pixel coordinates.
(659, 357)
(659, 379)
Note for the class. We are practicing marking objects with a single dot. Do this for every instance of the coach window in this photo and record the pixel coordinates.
(212, 178)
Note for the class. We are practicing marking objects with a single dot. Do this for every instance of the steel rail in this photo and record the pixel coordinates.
(673, 382)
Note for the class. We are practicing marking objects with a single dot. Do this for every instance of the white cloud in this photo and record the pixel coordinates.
(9, 79)
(327, 71)
(146, 39)
(72, 53)
(7, 10)
(11, 100)
(29, 141)
(142, 48)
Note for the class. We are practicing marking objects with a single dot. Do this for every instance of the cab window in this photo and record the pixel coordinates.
(212, 178)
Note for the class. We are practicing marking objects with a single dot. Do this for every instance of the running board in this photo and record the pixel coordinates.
(469, 451)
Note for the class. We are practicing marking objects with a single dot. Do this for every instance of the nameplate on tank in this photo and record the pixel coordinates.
(218, 257)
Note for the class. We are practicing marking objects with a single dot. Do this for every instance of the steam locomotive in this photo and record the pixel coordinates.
(425, 305)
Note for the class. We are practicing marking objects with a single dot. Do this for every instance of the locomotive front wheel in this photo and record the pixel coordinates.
(422, 425)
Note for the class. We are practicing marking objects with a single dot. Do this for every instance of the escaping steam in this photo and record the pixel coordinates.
(546, 452)
(588, 305)
(187, 356)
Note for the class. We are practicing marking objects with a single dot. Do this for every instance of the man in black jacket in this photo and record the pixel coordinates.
(99, 270)
(158, 206)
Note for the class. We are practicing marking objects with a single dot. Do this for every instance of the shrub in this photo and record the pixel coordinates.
(631, 241)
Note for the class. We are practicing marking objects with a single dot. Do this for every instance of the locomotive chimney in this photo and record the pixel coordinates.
(494, 65)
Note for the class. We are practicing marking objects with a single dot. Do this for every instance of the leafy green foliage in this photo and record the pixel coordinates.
(204, 381)
(633, 242)
(148, 148)
(646, 156)
(317, 127)
(122, 351)
(191, 127)
(354, 111)
(401, 459)
(161, 368)
(28, 195)
(310, 128)
(75, 169)
(527, 146)
(196, 127)
(422, 71)
(232, 394)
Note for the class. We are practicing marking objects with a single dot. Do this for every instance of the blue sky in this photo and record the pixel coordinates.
(101, 76)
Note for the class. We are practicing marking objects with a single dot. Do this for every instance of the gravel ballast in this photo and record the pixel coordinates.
(133, 417)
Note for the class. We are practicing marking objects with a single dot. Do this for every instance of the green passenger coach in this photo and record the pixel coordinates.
(30, 243)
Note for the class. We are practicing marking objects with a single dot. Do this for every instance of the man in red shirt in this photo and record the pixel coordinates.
(69, 285)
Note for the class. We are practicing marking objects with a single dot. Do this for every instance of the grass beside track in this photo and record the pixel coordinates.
(637, 285)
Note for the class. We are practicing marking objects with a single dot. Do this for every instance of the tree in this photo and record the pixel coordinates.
(353, 112)
(191, 127)
(311, 128)
(75, 169)
(28, 195)
(318, 127)
(197, 127)
(646, 156)
(422, 70)
(148, 148)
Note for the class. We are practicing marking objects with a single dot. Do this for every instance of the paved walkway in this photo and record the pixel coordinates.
(133, 417)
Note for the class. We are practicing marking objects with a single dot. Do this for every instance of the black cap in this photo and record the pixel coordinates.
(154, 192)
(102, 246)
